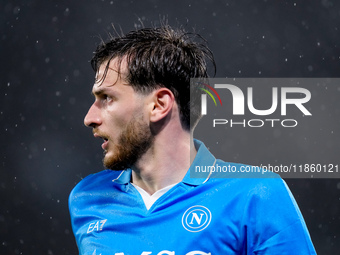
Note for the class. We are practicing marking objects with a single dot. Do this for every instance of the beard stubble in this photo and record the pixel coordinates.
(132, 143)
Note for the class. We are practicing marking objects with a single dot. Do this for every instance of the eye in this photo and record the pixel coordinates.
(107, 98)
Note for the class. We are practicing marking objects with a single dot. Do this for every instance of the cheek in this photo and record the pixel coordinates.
(121, 113)
(118, 119)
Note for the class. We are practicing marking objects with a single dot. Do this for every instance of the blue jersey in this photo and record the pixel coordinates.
(198, 216)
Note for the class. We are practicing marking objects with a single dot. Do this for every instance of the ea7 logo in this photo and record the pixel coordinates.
(96, 226)
(196, 218)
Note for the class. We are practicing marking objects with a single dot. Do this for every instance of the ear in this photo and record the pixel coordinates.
(163, 100)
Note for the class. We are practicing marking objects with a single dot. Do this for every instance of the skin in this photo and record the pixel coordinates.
(118, 108)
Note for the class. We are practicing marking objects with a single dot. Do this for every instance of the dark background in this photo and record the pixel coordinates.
(45, 80)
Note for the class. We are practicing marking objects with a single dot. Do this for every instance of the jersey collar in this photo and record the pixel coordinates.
(203, 158)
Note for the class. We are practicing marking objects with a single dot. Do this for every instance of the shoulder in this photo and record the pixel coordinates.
(251, 181)
(97, 178)
(262, 200)
(92, 183)
(229, 170)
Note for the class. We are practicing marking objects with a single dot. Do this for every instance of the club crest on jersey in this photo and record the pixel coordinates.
(196, 218)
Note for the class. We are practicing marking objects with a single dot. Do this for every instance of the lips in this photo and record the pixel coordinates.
(106, 140)
(105, 144)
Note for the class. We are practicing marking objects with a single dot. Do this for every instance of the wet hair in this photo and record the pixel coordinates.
(160, 57)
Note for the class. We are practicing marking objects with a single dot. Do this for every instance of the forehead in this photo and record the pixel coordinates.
(110, 75)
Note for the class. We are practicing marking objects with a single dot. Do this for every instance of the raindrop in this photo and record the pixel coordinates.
(67, 12)
(72, 100)
(338, 185)
(76, 73)
(16, 10)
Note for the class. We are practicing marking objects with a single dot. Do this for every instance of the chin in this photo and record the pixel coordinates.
(110, 162)
(107, 160)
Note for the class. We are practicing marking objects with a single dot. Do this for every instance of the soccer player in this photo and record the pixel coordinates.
(146, 202)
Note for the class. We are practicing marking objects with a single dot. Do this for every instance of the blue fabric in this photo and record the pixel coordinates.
(197, 216)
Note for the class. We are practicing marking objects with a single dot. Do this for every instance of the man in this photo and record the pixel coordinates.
(147, 203)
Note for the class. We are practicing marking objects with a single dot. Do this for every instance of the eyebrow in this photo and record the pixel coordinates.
(99, 91)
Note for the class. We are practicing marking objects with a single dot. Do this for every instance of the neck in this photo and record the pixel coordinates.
(165, 163)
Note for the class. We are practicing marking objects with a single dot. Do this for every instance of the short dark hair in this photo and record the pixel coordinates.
(160, 57)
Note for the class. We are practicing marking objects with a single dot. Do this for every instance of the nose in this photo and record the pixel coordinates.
(93, 118)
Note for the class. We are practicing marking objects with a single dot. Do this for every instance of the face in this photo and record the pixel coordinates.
(118, 116)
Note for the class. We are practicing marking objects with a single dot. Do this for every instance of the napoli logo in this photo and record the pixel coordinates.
(196, 218)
